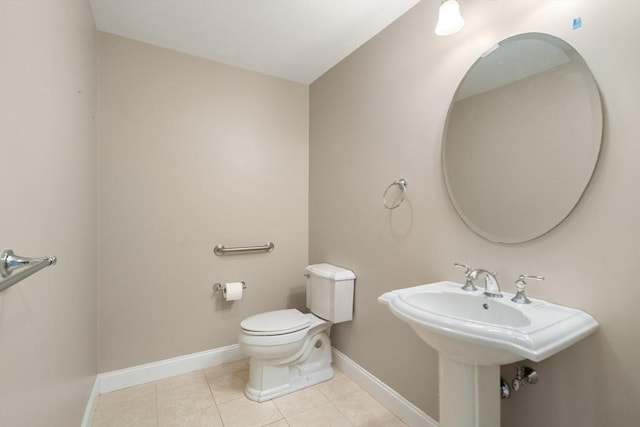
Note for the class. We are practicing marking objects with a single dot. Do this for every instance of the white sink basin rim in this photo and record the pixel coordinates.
(473, 329)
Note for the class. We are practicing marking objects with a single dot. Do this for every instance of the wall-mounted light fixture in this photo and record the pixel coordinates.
(449, 18)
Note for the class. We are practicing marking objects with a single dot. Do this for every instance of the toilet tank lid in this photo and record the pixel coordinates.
(279, 321)
(329, 271)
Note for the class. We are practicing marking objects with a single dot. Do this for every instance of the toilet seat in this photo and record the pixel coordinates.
(271, 323)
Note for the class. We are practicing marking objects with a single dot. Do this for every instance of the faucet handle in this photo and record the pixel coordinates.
(469, 278)
(521, 297)
(465, 266)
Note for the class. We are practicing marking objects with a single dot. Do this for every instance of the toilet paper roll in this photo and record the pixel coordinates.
(232, 291)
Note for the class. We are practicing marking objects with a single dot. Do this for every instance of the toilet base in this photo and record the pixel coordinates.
(271, 379)
(294, 384)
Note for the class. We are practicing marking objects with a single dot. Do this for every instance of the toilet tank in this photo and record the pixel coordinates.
(330, 292)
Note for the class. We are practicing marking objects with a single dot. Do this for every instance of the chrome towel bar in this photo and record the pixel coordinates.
(221, 250)
(9, 262)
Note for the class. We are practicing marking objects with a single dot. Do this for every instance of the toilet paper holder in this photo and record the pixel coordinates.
(221, 286)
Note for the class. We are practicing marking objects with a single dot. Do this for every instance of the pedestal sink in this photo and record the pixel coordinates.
(474, 335)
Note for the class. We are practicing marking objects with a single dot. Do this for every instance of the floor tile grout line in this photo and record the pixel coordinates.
(339, 411)
(213, 401)
(343, 396)
(156, 399)
(279, 411)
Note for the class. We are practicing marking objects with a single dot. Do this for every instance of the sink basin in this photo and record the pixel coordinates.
(473, 329)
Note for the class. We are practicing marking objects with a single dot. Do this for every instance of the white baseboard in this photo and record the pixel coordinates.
(91, 404)
(390, 399)
(115, 380)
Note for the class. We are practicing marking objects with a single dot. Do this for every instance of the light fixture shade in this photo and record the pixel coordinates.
(449, 18)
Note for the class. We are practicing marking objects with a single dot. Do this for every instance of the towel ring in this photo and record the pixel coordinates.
(402, 185)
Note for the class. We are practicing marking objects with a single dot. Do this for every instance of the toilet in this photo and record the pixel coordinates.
(290, 350)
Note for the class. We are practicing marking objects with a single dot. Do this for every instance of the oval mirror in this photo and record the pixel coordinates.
(522, 138)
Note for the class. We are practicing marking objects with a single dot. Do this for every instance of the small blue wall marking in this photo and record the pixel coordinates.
(577, 22)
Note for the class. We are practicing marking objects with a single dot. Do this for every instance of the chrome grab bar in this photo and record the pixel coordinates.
(9, 262)
(221, 250)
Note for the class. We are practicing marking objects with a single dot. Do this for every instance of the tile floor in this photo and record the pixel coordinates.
(213, 397)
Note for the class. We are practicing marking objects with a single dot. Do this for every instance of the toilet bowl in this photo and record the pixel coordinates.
(290, 350)
(285, 357)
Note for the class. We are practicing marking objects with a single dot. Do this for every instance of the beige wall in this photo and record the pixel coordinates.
(47, 170)
(193, 154)
(378, 116)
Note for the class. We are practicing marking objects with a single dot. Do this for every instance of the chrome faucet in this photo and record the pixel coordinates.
(491, 287)
(468, 284)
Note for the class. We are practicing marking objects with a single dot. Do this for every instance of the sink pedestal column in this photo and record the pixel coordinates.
(469, 395)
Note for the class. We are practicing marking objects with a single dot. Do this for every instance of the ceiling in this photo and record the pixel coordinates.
(297, 40)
